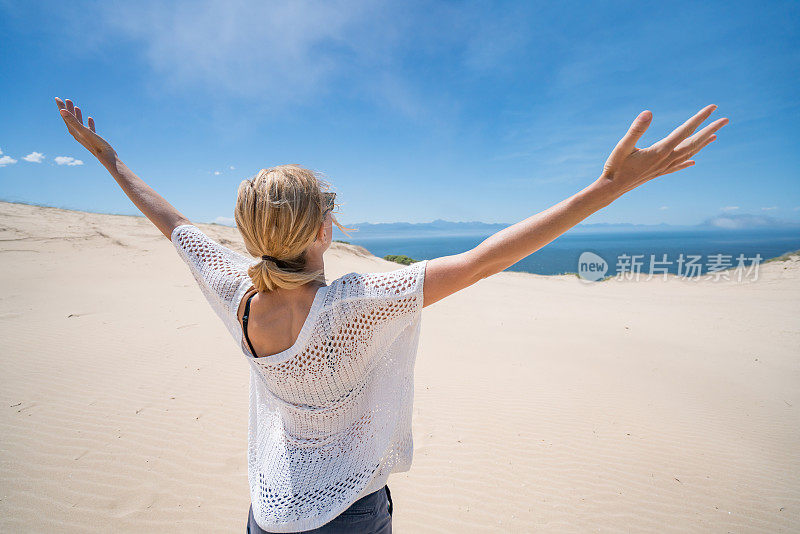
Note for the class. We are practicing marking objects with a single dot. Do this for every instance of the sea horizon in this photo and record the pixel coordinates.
(666, 250)
(717, 241)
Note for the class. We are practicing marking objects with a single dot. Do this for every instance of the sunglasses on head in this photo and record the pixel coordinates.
(328, 202)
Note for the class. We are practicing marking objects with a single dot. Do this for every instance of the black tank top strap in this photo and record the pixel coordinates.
(245, 318)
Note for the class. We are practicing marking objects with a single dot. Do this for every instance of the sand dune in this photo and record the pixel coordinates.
(543, 404)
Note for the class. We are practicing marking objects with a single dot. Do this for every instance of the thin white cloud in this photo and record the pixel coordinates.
(286, 52)
(664, 208)
(67, 160)
(232, 168)
(34, 157)
(6, 160)
(216, 173)
(730, 208)
(770, 208)
(286, 49)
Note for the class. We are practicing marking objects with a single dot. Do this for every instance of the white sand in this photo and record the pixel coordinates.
(542, 403)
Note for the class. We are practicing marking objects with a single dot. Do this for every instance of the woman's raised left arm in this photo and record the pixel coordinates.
(151, 204)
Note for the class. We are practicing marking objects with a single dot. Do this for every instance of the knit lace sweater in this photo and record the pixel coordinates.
(330, 417)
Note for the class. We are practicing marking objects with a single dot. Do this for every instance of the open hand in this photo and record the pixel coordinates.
(86, 136)
(628, 167)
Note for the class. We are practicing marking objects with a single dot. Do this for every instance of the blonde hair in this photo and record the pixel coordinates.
(279, 213)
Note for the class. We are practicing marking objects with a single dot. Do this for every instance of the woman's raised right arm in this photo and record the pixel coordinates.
(626, 168)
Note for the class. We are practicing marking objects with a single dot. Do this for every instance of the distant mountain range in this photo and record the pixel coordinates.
(451, 228)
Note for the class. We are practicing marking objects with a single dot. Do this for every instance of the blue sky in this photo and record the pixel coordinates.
(464, 111)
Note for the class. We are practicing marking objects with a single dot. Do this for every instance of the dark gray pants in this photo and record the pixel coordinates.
(371, 514)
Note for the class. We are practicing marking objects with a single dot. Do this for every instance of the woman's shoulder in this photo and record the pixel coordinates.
(396, 282)
(196, 245)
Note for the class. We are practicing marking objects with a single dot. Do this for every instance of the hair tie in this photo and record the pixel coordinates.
(270, 258)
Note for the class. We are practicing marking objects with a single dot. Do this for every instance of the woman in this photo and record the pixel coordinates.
(331, 381)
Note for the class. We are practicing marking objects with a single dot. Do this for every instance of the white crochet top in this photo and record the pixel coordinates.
(330, 417)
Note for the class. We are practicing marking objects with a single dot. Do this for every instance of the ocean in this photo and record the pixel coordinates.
(668, 250)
